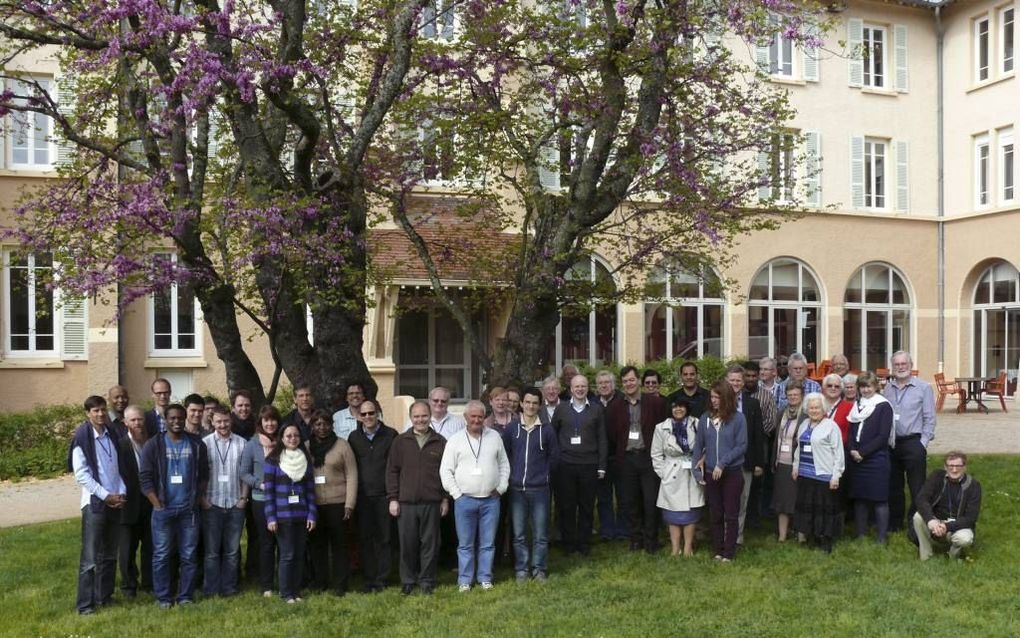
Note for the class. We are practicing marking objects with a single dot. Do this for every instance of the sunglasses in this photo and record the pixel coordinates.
(368, 414)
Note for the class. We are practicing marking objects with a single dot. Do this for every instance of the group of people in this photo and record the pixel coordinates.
(180, 482)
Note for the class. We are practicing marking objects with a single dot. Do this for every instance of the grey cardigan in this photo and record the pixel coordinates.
(826, 447)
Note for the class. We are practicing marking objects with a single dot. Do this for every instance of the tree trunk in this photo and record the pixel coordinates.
(221, 318)
(532, 323)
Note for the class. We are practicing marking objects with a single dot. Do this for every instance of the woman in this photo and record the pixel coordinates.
(850, 387)
(336, 494)
(784, 491)
(253, 473)
(836, 408)
(817, 467)
(681, 496)
(871, 423)
(720, 447)
(290, 507)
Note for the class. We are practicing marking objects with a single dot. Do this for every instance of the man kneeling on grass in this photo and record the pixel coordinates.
(947, 508)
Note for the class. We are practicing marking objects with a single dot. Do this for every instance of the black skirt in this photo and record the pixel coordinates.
(818, 513)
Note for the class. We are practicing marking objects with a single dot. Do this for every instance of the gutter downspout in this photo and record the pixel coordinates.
(941, 212)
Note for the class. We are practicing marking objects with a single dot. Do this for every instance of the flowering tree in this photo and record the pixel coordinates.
(625, 127)
(239, 136)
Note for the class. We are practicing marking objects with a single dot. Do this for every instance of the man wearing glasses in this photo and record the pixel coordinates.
(443, 421)
(947, 508)
(346, 421)
(155, 419)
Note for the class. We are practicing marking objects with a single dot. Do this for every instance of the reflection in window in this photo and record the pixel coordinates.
(586, 334)
(997, 323)
(28, 304)
(683, 314)
(432, 349)
(784, 308)
(174, 327)
(879, 325)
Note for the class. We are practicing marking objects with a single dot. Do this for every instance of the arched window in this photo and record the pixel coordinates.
(683, 313)
(997, 322)
(784, 306)
(876, 316)
(586, 335)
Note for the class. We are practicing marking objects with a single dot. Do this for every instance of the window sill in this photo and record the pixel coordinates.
(175, 362)
(786, 79)
(31, 364)
(15, 171)
(884, 92)
(986, 83)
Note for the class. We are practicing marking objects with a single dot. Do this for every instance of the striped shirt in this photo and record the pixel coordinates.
(224, 469)
(286, 499)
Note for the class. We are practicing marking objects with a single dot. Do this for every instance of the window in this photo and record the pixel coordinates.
(997, 323)
(874, 173)
(575, 11)
(586, 334)
(441, 25)
(174, 320)
(876, 316)
(30, 134)
(874, 46)
(981, 161)
(1007, 165)
(683, 314)
(438, 154)
(784, 310)
(28, 305)
(783, 166)
(1006, 36)
(431, 350)
(780, 55)
(981, 49)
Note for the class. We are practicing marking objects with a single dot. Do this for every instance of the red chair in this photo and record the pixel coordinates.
(997, 388)
(945, 388)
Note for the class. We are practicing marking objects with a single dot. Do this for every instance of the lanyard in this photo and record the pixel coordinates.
(832, 410)
(577, 420)
(225, 455)
(786, 428)
(176, 454)
(472, 447)
(107, 447)
(682, 428)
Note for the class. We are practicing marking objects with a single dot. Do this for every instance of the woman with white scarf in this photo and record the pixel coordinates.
(290, 507)
(871, 421)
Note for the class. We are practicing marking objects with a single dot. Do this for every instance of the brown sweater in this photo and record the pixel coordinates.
(341, 472)
(412, 473)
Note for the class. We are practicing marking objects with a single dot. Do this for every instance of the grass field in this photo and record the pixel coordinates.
(770, 590)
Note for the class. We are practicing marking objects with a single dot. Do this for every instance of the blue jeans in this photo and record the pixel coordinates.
(476, 520)
(221, 530)
(174, 528)
(292, 536)
(533, 506)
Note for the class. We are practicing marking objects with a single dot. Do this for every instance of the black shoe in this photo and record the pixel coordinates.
(584, 551)
(635, 546)
(405, 590)
(88, 611)
(128, 593)
(428, 590)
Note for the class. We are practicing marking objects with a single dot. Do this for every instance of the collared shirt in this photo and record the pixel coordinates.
(448, 425)
(778, 392)
(344, 423)
(634, 443)
(769, 415)
(550, 408)
(810, 385)
(224, 469)
(370, 434)
(913, 408)
(109, 481)
(578, 407)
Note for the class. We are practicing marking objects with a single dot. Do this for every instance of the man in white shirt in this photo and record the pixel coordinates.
(444, 422)
(223, 507)
(346, 421)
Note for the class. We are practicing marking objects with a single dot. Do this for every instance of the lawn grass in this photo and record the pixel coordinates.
(770, 590)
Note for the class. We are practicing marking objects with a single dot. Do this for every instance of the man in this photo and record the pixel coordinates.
(210, 403)
(840, 365)
(304, 407)
(243, 421)
(691, 390)
(533, 453)
(782, 370)
(475, 472)
(194, 407)
(631, 424)
(223, 507)
(550, 398)
(650, 381)
(754, 459)
(797, 367)
(174, 474)
(768, 384)
(612, 523)
(948, 506)
(155, 419)
(752, 386)
(94, 460)
(501, 416)
(580, 427)
(513, 400)
(136, 515)
(371, 443)
(913, 404)
(443, 422)
(567, 374)
(768, 379)
(416, 498)
(117, 399)
(346, 421)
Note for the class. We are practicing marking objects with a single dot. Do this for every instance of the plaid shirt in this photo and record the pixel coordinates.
(224, 469)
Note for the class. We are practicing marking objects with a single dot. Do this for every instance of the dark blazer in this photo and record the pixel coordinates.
(756, 440)
(653, 412)
(151, 423)
(932, 501)
(698, 403)
(372, 457)
(875, 436)
(137, 504)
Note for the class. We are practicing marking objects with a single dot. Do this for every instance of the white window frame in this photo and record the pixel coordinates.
(982, 171)
(1007, 166)
(175, 351)
(871, 61)
(432, 367)
(592, 342)
(876, 189)
(32, 352)
(771, 306)
(17, 122)
(783, 166)
(778, 49)
(865, 307)
(700, 302)
(982, 47)
(431, 29)
(1007, 29)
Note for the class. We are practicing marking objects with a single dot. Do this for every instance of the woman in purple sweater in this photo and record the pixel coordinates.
(290, 507)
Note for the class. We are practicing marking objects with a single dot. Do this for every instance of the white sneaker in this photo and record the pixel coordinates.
(267, 594)
(464, 588)
(486, 586)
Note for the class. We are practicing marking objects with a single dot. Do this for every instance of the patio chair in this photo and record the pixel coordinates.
(997, 388)
(946, 388)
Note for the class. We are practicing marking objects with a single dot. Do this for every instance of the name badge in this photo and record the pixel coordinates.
(293, 498)
(320, 480)
(223, 478)
(476, 471)
(634, 435)
(575, 440)
(785, 447)
(685, 464)
(806, 448)
(896, 416)
(176, 479)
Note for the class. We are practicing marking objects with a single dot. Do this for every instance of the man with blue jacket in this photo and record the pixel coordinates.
(174, 473)
(533, 452)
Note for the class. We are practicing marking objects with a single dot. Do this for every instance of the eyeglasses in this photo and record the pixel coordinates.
(368, 414)
(651, 383)
(440, 400)
(834, 385)
(956, 466)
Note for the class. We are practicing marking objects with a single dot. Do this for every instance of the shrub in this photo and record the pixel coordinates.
(711, 369)
(35, 443)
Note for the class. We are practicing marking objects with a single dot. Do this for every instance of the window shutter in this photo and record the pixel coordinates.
(765, 173)
(810, 60)
(900, 55)
(4, 127)
(549, 165)
(855, 38)
(66, 95)
(902, 178)
(857, 171)
(761, 58)
(74, 328)
(813, 168)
